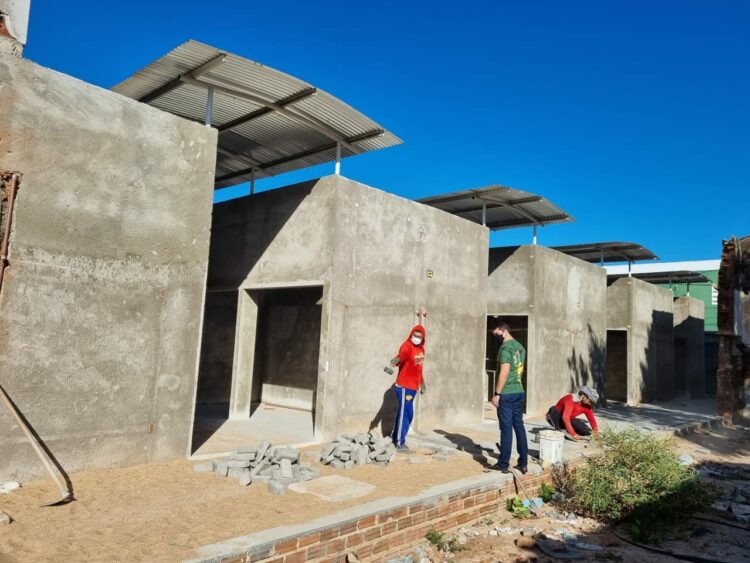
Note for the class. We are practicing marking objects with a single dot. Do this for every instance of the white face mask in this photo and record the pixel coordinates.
(416, 340)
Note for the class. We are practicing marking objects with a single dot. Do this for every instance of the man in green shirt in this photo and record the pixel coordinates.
(508, 399)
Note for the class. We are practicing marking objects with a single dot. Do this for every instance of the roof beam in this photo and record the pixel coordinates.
(289, 100)
(243, 93)
(175, 82)
(254, 164)
(300, 155)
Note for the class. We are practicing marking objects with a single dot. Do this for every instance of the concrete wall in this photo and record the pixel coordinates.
(378, 257)
(101, 306)
(689, 347)
(645, 310)
(565, 299)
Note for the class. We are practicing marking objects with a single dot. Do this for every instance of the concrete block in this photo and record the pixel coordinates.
(261, 466)
(237, 472)
(361, 438)
(337, 464)
(248, 450)
(383, 442)
(276, 474)
(380, 463)
(327, 450)
(263, 448)
(440, 457)
(362, 455)
(221, 468)
(305, 465)
(234, 463)
(375, 453)
(349, 464)
(345, 456)
(286, 469)
(207, 467)
(246, 479)
(276, 488)
(260, 478)
(383, 457)
(5, 519)
(288, 453)
(249, 456)
(415, 459)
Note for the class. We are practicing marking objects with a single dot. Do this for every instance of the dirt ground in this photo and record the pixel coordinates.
(162, 512)
(494, 539)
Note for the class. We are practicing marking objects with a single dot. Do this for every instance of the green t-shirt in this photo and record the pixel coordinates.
(513, 353)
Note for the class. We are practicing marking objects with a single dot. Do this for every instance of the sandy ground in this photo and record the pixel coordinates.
(162, 512)
(494, 540)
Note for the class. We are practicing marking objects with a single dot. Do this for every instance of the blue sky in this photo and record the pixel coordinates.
(633, 116)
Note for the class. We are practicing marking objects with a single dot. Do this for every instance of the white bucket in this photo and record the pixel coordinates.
(550, 447)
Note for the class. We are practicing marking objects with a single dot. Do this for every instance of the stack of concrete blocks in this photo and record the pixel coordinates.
(279, 467)
(349, 450)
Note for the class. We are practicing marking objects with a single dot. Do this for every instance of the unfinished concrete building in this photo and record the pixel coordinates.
(311, 290)
(640, 350)
(103, 293)
(689, 345)
(102, 300)
(555, 304)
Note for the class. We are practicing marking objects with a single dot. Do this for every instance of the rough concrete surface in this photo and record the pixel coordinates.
(689, 347)
(564, 299)
(334, 488)
(377, 258)
(645, 312)
(100, 309)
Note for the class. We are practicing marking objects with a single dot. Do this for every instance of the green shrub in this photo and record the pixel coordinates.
(638, 478)
(546, 491)
(516, 507)
(439, 542)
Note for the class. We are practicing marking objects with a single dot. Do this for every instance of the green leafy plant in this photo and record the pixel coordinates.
(638, 479)
(440, 543)
(516, 507)
(546, 491)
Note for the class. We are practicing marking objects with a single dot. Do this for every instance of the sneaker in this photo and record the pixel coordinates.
(498, 467)
(403, 449)
(521, 470)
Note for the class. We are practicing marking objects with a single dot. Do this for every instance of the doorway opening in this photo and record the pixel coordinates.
(259, 369)
(519, 328)
(617, 365)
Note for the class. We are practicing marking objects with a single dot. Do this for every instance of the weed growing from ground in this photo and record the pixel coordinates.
(639, 480)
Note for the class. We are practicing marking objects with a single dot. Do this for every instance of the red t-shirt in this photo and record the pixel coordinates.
(410, 361)
(571, 409)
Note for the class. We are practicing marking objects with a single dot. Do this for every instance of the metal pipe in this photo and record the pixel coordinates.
(252, 182)
(11, 195)
(337, 167)
(209, 107)
(484, 213)
(534, 236)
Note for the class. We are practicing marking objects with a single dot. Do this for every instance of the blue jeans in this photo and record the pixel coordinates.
(404, 415)
(510, 415)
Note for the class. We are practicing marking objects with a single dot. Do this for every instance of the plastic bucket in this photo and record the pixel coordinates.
(550, 447)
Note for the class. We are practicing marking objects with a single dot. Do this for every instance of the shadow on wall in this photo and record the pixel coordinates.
(657, 371)
(242, 230)
(590, 368)
(386, 414)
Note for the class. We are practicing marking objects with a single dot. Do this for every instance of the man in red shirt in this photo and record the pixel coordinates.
(563, 415)
(409, 380)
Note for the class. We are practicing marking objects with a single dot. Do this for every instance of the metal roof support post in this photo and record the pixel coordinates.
(601, 259)
(209, 107)
(630, 273)
(687, 293)
(533, 239)
(484, 213)
(337, 166)
(252, 182)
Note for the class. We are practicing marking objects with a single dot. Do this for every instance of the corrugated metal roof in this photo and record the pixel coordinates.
(503, 207)
(676, 276)
(605, 252)
(268, 121)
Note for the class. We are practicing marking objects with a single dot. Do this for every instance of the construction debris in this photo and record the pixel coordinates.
(278, 467)
(8, 487)
(5, 519)
(348, 450)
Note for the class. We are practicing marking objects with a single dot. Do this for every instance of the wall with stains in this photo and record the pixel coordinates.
(101, 307)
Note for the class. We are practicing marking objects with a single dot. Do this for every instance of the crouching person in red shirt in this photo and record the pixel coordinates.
(563, 415)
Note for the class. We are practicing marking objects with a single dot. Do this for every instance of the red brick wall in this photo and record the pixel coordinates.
(382, 536)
